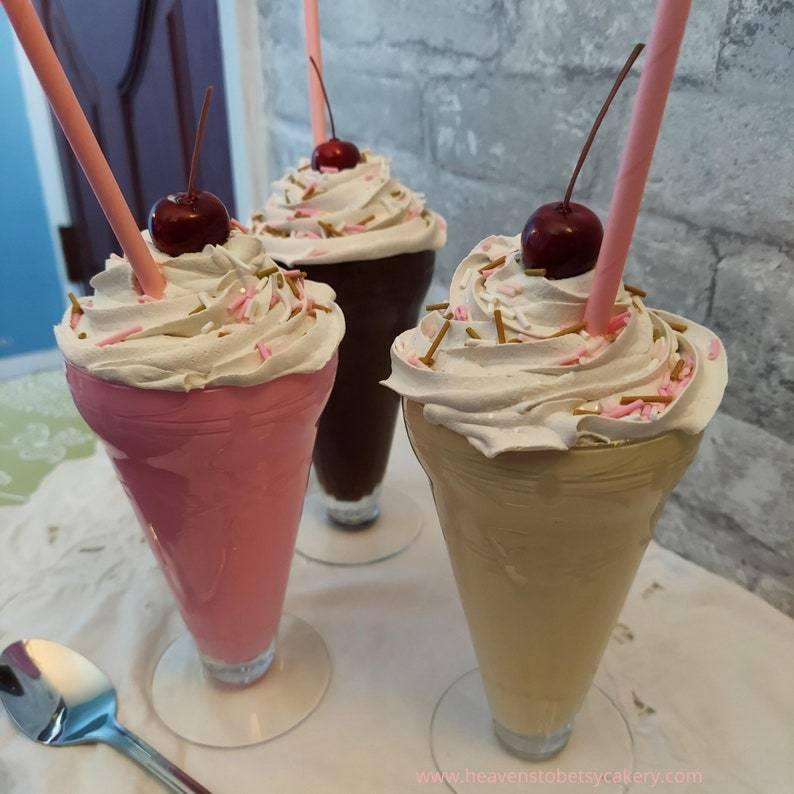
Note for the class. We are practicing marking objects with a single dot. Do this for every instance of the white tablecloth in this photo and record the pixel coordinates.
(714, 661)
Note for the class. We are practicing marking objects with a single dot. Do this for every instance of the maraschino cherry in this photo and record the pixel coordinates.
(564, 238)
(185, 222)
(333, 153)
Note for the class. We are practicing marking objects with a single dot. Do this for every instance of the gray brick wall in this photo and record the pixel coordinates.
(483, 105)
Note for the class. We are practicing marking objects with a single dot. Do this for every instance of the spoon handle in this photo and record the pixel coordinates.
(172, 777)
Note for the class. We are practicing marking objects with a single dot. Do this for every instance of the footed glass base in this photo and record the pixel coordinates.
(223, 709)
(473, 753)
(324, 537)
(354, 515)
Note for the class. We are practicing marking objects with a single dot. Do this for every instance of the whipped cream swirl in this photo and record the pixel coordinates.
(355, 214)
(549, 384)
(229, 316)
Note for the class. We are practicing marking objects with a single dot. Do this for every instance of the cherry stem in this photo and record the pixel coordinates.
(325, 96)
(205, 109)
(635, 53)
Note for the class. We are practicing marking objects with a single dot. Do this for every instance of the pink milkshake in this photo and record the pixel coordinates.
(217, 479)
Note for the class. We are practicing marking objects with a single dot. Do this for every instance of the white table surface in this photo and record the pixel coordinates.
(715, 662)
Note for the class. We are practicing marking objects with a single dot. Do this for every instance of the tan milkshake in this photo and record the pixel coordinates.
(550, 454)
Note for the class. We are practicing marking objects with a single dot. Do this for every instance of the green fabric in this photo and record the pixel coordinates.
(39, 428)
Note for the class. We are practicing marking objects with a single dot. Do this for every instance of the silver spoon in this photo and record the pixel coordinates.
(58, 697)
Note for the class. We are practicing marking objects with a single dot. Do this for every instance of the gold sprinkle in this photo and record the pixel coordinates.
(637, 305)
(496, 263)
(329, 229)
(362, 157)
(296, 182)
(436, 307)
(304, 166)
(365, 221)
(514, 341)
(199, 308)
(272, 230)
(309, 192)
(280, 280)
(676, 373)
(82, 335)
(266, 271)
(500, 326)
(472, 333)
(76, 307)
(640, 293)
(397, 194)
(627, 399)
(585, 412)
(676, 326)
(293, 288)
(657, 334)
(427, 358)
(534, 271)
(322, 307)
(571, 329)
(221, 334)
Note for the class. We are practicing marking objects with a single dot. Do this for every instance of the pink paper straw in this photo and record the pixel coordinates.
(311, 15)
(646, 119)
(67, 109)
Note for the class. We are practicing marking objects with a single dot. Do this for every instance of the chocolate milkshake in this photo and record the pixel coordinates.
(372, 240)
(550, 453)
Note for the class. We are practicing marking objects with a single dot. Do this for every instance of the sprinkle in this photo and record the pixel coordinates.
(274, 299)
(295, 273)
(637, 305)
(223, 333)
(308, 233)
(250, 308)
(120, 336)
(236, 303)
(318, 252)
(411, 213)
(304, 166)
(628, 399)
(508, 289)
(586, 412)
(442, 224)
(464, 282)
(280, 280)
(82, 335)
(500, 326)
(329, 169)
(486, 274)
(275, 232)
(619, 411)
(266, 271)
(534, 271)
(573, 359)
(362, 157)
(397, 193)
(676, 326)
(436, 307)
(714, 349)
(366, 220)
(200, 308)
(461, 313)
(74, 320)
(294, 288)
(239, 226)
(76, 307)
(618, 321)
(329, 229)
(354, 228)
(321, 306)
(675, 374)
(640, 293)
(570, 329)
(414, 361)
(472, 333)
(240, 313)
(264, 350)
(646, 411)
(486, 246)
(207, 327)
(369, 177)
(307, 212)
(309, 192)
(496, 263)
(296, 182)
(427, 358)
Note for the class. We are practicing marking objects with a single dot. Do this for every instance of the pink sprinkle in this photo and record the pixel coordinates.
(141, 300)
(274, 299)
(308, 233)
(318, 252)
(411, 213)
(507, 289)
(239, 226)
(239, 315)
(619, 411)
(237, 302)
(461, 313)
(714, 348)
(308, 211)
(486, 246)
(574, 359)
(354, 228)
(690, 362)
(415, 361)
(120, 336)
(369, 177)
(618, 322)
(442, 224)
(646, 411)
(292, 273)
(665, 390)
(486, 274)
(329, 169)
(249, 291)
(264, 351)
(74, 320)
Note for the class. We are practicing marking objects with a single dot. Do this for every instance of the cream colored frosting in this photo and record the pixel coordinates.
(522, 395)
(355, 214)
(218, 324)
